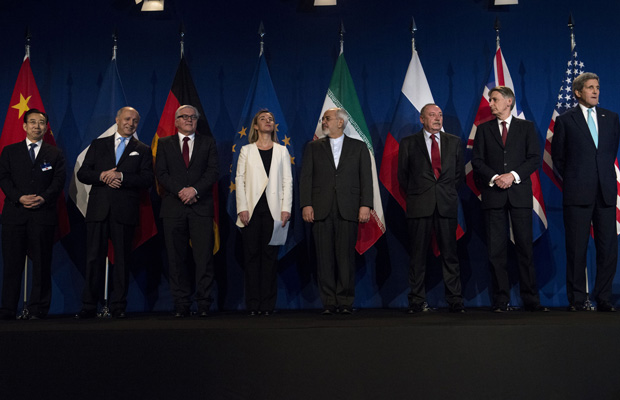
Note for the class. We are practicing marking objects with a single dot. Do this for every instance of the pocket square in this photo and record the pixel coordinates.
(134, 153)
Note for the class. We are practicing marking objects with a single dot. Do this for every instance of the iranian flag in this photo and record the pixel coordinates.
(342, 94)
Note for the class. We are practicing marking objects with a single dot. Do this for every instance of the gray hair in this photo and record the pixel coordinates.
(178, 111)
(119, 112)
(506, 93)
(580, 81)
(344, 116)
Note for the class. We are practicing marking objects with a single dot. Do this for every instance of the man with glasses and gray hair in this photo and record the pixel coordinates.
(186, 167)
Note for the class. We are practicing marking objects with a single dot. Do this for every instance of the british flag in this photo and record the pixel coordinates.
(500, 76)
(566, 100)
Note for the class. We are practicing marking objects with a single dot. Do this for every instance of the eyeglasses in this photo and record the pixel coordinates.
(188, 117)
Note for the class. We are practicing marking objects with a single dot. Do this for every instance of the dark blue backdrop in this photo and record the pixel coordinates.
(71, 48)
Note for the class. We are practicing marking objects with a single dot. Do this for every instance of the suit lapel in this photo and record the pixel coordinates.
(581, 122)
(421, 145)
(328, 150)
(497, 135)
(133, 142)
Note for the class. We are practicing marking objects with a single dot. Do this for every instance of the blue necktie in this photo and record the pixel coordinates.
(32, 156)
(592, 127)
(120, 149)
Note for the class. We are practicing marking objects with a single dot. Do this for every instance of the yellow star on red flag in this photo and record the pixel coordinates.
(22, 106)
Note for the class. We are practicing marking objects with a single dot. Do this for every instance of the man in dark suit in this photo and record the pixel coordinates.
(32, 176)
(430, 168)
(336, 195)
(506, 152)
(584, 149)
(118, 167)
(187, 167)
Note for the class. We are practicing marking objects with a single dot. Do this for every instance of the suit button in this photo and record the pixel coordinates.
(505, 164)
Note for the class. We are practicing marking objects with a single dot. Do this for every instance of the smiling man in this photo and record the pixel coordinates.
(32, 176)
(506, 152)
(118, 167)
(584, 149)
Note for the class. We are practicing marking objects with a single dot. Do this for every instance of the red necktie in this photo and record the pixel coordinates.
(504, 132)
(186, 151)
(435, 157)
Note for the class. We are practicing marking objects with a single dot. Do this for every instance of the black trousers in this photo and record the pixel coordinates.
(334, 239)
(178, 232)
(36, 241)
(577, 222)
(97, 236)
(497, 245)
(261, 279)
(420, 234)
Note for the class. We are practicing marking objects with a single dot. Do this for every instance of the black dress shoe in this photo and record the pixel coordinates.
(7, 316)
(328, 311)
(181, 313)
(252, 313)
(345, 311)
(576, 307)
(536, 308)
(267, 313)
(457, 308)
(418, 308)
(203, 314)
(86, 314)
(120, 314)
(605, 307)
(500, 308)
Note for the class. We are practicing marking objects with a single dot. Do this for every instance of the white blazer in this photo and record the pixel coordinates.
(251, 181)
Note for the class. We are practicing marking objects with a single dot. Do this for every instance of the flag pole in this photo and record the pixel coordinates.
(414, 28)
(342, 32)
(25, 312)
(261, 33)
(497, 27)
(587, 304)
(105, 310)
(182, 43)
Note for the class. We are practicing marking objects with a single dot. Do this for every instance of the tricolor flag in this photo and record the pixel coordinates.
(110, 99)
(183, 91)
(342, 94)
(500, 76)
(26, 96)
(566, 100)
(262, 95)
(414, 95)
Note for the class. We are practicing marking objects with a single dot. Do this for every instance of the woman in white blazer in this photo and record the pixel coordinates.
(264, 186)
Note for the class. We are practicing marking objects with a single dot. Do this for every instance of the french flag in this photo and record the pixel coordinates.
(500, 76)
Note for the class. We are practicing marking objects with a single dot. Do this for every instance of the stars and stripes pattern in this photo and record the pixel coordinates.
(565, 101)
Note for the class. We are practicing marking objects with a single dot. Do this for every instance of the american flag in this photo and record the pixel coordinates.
(566, 100)
(500, 76)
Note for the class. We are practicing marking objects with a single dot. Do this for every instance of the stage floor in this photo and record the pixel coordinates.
(372, 354)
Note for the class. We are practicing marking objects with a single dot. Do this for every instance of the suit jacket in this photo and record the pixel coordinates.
(173, 175)
(521, 154)
(584, 168)
(122, 204)
(19, 177)
(350, 183)
(251, 181)
(417, 179)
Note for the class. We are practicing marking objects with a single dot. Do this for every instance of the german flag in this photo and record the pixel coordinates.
(184, 91)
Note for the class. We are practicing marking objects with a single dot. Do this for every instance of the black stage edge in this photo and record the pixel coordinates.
(372, 354)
